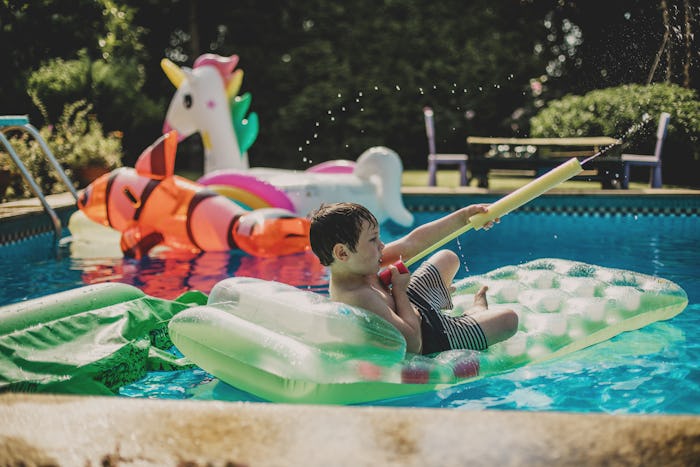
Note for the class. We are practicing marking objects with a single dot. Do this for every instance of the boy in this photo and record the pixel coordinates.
(345, 237)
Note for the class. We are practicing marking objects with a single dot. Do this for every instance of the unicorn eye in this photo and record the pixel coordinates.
(188, 101)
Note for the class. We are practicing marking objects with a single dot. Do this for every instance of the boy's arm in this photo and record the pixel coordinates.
(411, 319)
(405, 318)
(428, 234)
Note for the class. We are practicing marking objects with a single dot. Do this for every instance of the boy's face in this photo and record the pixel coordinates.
(368, 251)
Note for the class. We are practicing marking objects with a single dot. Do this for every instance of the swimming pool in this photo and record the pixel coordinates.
(653, 370)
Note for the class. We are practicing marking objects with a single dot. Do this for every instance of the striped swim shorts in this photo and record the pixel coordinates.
(428, 294)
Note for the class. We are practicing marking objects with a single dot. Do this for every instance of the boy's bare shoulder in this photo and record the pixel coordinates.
(356, 295)
(366, 297)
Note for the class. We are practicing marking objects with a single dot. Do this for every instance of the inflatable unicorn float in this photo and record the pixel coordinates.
(206, 101)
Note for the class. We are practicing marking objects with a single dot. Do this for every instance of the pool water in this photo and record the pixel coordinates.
(652, 370)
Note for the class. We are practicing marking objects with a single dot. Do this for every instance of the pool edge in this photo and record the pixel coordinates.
(72, 430)
(25, 218)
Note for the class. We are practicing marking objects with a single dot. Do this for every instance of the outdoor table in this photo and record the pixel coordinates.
(541, 154)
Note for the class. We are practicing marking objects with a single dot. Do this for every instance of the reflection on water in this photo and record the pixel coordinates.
(167, 273)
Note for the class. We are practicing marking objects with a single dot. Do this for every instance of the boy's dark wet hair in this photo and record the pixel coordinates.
(337, 223)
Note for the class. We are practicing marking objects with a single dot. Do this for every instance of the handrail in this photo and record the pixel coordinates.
(21, 122)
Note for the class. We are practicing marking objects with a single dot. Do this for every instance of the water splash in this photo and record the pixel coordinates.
(626, 136)
(634, 129)
(462, 256)
(350, 103)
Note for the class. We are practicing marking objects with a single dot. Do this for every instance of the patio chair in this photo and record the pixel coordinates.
(441, 159)
(652, 161)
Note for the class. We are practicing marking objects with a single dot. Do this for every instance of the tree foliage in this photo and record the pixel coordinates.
(330, 79)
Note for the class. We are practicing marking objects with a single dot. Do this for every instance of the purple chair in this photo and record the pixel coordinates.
(441, 159)
(652, 161)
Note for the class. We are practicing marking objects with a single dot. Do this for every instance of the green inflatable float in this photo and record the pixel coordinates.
(90, 340)
(287, 345)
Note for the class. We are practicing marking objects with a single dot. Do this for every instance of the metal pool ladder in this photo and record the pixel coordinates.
(10, 123)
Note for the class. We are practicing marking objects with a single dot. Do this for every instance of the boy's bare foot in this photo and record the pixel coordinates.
(480, 298)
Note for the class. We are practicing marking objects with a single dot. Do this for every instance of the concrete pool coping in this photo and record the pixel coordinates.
(71, 430)
(79, 430)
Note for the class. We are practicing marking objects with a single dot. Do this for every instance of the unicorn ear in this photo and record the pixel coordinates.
(173, 72)
(158, 160)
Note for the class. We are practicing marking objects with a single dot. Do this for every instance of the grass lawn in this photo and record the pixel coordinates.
(499, 182)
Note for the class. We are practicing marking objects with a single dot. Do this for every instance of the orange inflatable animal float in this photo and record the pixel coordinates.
(151, 206)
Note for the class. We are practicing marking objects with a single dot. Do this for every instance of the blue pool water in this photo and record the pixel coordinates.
(652, 370)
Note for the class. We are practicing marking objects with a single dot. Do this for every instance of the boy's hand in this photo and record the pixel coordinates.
(481, 208)
(399, 281)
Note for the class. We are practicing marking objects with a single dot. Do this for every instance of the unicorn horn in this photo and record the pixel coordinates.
(173, 72)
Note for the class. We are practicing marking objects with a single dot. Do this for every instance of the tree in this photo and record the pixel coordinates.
(330, 79)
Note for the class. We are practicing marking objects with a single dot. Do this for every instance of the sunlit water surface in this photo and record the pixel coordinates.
(652, 370)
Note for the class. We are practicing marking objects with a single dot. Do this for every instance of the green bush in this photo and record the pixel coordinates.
(59, 81)
(77, 141)
(631, 112)
(113, 87)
